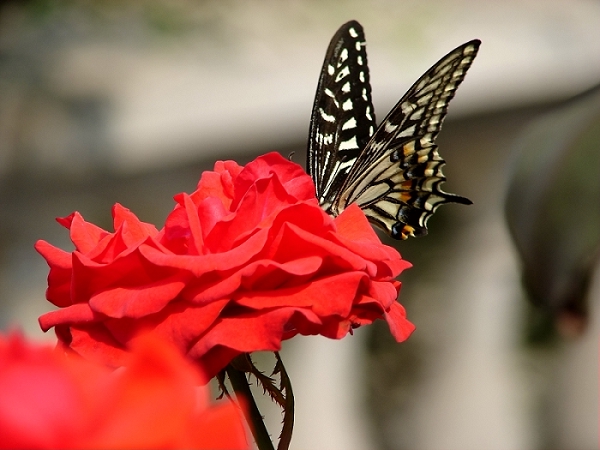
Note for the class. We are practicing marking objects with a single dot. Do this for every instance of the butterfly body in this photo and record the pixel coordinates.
(394, 171)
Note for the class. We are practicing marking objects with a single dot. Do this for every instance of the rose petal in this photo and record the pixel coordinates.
(329, 296)
(399, 325)
(138, 301)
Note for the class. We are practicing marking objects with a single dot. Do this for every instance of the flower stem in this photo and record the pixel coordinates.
(253, 417)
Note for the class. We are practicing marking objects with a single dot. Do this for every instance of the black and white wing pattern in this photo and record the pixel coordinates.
(397, 175)
(343, 118)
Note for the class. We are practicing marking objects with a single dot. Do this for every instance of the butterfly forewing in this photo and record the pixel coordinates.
(343, 118)
(396, 179)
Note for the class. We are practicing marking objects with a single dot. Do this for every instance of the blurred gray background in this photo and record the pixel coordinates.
(128, 101)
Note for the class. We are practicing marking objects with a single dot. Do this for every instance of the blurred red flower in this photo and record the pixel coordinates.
(247, 260)
(49, 399)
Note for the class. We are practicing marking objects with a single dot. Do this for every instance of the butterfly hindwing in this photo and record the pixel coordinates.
(396, 179)
(343, 118)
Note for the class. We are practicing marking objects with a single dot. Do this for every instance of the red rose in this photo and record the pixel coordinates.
(247, 260)
(51, 400)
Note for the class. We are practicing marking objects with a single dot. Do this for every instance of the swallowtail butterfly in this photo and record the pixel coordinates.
(393, 172)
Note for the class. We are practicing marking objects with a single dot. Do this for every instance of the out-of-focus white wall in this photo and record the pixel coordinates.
(197, 78)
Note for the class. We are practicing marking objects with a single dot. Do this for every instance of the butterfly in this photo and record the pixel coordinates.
(394, 171)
